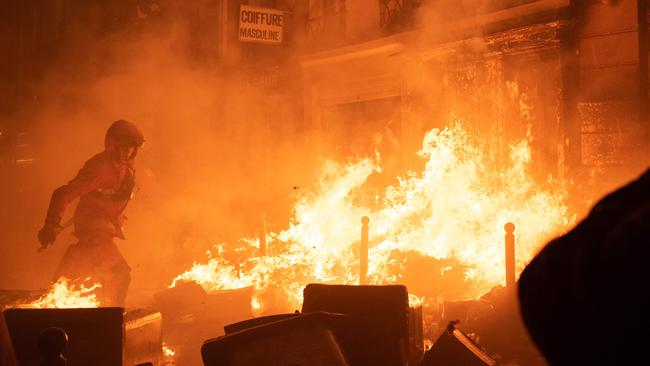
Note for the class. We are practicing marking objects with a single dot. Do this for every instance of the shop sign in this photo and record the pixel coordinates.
(262, 25)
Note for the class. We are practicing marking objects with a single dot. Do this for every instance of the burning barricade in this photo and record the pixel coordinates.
(439, 232)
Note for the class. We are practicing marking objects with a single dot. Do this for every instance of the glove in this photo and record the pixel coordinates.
(47, 234)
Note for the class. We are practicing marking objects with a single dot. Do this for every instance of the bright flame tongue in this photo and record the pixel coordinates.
(452, 215)
(64, 294)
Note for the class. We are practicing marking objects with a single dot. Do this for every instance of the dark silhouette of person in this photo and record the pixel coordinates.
(7, 356)
(104, 187)
(584, 297)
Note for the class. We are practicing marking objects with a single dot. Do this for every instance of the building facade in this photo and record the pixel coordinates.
(572, 76)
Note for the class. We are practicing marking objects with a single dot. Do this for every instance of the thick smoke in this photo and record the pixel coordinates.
(204, 173)
(221, 153)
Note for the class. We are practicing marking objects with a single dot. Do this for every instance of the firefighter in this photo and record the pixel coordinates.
(104, 186)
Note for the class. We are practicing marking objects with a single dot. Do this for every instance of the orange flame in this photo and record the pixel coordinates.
(64, 294)
(215, 275)
(453, 210)
(415, 301)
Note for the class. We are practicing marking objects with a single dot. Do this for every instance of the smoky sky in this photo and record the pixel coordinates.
(214, 161)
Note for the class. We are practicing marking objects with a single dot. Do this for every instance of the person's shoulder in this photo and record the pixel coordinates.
(97, 162)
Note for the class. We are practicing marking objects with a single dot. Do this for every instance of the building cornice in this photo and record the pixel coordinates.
(517, 29)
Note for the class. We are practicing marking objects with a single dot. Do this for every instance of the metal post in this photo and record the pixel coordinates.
(263, 236)
(363, 251)
(510, 259)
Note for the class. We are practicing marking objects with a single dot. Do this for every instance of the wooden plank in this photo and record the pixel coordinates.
(609, 50)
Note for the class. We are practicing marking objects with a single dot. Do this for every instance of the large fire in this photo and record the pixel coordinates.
(64, 294)
(439, 231)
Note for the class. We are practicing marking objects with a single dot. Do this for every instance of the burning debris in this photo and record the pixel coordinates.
(192, 315)
(64, 294)
(450, 216)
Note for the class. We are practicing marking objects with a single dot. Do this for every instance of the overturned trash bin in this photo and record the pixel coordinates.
(97, 336)
(377, 331)
(255, 322)
(298, 340)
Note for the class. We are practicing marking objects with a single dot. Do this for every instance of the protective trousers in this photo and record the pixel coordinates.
(95, 256)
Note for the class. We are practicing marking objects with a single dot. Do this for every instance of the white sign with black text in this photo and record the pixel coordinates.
(262, 25)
